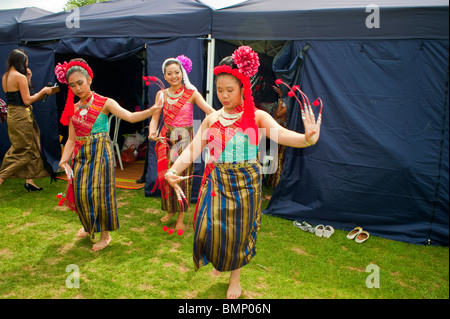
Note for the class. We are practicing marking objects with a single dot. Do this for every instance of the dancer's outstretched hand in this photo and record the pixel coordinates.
(312, 126)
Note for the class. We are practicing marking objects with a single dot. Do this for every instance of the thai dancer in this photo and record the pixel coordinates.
(176, 133)
(228, 212)
(88, 156)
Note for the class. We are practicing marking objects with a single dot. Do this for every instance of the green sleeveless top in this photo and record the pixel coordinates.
(238, 149)
(101, 124)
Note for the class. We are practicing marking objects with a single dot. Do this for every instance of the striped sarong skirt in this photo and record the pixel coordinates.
(227, 224)
(94, 184)
(179, 139)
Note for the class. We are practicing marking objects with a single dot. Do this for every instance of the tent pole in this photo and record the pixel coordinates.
(209, 71)
(144, 69)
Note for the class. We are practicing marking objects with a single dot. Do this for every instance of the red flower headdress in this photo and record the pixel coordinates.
(186, 67)
(61, 75)
(247, 62)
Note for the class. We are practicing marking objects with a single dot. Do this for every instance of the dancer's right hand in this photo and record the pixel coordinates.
(67, 169)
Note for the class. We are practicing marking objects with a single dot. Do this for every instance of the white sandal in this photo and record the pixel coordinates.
(328, 231)
(362, 237)
(354, 232)
(319, 230)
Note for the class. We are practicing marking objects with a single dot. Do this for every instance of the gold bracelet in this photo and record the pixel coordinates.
(306, 142)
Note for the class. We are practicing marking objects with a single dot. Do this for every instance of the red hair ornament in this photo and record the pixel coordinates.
(61, 75)
(247, 62)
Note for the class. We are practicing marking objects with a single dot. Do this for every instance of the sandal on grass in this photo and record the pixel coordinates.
(354, 232)
(362, 237)
(328, 231)
(305, 226)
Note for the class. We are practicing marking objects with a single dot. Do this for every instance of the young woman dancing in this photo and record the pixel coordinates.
(176, 132)
(228, 213)
(88, 156)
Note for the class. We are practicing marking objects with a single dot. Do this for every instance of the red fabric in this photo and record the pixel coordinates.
(248, 117)
(218, 137)
(83, 127)
(69, 107)
(162, 164)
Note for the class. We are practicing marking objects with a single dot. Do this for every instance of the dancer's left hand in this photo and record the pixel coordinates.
(173, 181)
(312, 126)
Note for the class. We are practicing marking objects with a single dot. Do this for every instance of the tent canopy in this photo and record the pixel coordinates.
(112, 31)
(124, 18)
(382, 160)
(10, 19)
(330, 20)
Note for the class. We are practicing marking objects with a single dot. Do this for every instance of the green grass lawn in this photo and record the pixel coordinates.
(39, 250)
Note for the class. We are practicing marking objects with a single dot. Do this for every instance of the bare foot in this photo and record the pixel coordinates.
(215, 272)
(82, 233)
(179, 226)
(167, 217)
(102, 243)
(234, 286)
(234, 290)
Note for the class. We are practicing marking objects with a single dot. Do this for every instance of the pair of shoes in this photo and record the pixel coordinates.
(322, 231)
(305, 226)
(140, 181)
(32, 188)
(358, 234)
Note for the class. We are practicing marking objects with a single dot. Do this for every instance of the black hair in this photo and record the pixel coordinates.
(17, 59)
(77, 68)
(230, 62)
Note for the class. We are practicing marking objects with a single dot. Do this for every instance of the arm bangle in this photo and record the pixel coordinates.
(306, 142)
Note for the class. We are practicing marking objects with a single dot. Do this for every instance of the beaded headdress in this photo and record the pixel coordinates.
(61, 74)
(186, 67)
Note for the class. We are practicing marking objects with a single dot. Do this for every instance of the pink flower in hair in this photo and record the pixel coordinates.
(185, 62)
(60, 72)
(246, 60)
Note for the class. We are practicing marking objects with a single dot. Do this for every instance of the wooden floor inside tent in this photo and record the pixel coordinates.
(124, 178)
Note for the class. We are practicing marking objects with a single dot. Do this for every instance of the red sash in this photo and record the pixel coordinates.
(169, 115)
(83, 124)
(218, 138)
(83, 127)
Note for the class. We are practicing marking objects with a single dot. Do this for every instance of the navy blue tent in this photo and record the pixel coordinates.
(9, 31)
(382, 73)
(123, 18)
(144, 31)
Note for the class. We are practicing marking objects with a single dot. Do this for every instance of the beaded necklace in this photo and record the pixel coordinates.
(226, 119)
